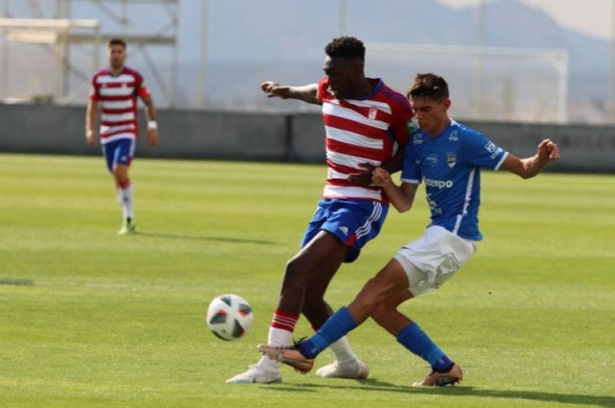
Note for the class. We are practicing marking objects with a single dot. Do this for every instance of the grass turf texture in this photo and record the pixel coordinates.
(90, 319)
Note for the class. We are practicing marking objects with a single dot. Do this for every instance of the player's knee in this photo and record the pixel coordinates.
(369, 298)
(120, 175)
(295, 274)
(120, 170)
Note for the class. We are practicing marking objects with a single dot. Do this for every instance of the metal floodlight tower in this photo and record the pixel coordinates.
(61, 31)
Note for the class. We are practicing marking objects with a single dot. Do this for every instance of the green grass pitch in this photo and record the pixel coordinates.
(92, 319)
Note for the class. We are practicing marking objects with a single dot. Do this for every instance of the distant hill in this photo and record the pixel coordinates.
(250, 41)
(293, 33)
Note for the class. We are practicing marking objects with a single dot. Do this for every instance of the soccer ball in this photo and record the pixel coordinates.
(229, 317)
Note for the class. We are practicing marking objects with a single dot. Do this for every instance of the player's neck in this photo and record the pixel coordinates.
(438, 130)
(116, 70)
(363, 90)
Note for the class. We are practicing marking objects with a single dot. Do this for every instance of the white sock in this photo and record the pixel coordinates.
(342, 351)
(125, 197)
(278, 338)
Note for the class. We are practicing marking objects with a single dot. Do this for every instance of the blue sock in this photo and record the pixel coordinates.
(414, 339)
(334, 329)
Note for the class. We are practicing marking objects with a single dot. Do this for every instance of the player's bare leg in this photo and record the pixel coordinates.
(388, 317)
(307, 276)
(317, 311)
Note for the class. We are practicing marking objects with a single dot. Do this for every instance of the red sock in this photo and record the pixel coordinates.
(284, 321)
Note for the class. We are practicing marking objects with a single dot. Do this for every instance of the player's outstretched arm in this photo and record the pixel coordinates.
(305, 93)
(402, 197)
(529, 167)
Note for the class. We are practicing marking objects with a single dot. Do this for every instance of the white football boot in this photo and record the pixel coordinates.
(256, 375)
(353, 369)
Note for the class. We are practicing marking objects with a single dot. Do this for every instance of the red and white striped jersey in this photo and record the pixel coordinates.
(367, 130)
(117, 95)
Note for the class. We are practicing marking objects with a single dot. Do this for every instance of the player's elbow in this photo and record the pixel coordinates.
(526, 174)
(402, 207)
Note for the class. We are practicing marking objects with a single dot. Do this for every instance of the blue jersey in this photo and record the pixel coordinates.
(449, 164)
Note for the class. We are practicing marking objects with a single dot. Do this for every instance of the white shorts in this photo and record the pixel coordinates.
(433, 259)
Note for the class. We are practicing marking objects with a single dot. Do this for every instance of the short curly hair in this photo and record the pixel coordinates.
(346, 47)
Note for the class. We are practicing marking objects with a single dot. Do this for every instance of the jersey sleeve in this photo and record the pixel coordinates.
(482, 152)
(94, 95)
(323, 85)
(410, 172)
(140, 87)
(402, 116)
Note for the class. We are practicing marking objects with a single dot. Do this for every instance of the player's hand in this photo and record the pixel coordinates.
(380, 177)
(364, 178)
(274, 90)
(152, 137)
(548, 151)
(90, 137)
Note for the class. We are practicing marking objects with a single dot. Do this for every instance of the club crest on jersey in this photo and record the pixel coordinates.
(431, 161)
(451, 159)
(373, 111)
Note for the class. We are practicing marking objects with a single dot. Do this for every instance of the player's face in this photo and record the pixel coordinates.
(344, 75)
(116, 54)
(431, 114)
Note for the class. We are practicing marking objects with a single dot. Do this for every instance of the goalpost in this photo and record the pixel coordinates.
(487, 83)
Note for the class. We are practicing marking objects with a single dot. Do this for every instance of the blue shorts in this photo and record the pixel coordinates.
(119, 151)
(353, 222)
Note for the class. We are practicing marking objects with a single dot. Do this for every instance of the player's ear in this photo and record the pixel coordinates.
(447, 103)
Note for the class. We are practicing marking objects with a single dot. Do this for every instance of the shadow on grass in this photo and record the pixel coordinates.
(17, 282)
(204, 238)
(380, 386)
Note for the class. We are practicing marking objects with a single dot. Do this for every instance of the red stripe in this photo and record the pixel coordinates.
(124, 184)
(130, 84)
(124, 122)
(118, 111)
(116, 98)
(355, 127)
(351, 240)
(117, 132)
(343, 169)
(358, 151)
(284, 321)
(364, 111)
(144, 92)
(285, 314)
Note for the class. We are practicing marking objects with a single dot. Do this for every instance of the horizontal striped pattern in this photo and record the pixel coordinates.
(117, 105)
(353, 138)
(351, 192)
(116, 118)
(336, 110)
(118, 102)
(358, 132)
(284, 321)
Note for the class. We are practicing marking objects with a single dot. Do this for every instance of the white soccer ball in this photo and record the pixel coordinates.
(229, 317)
